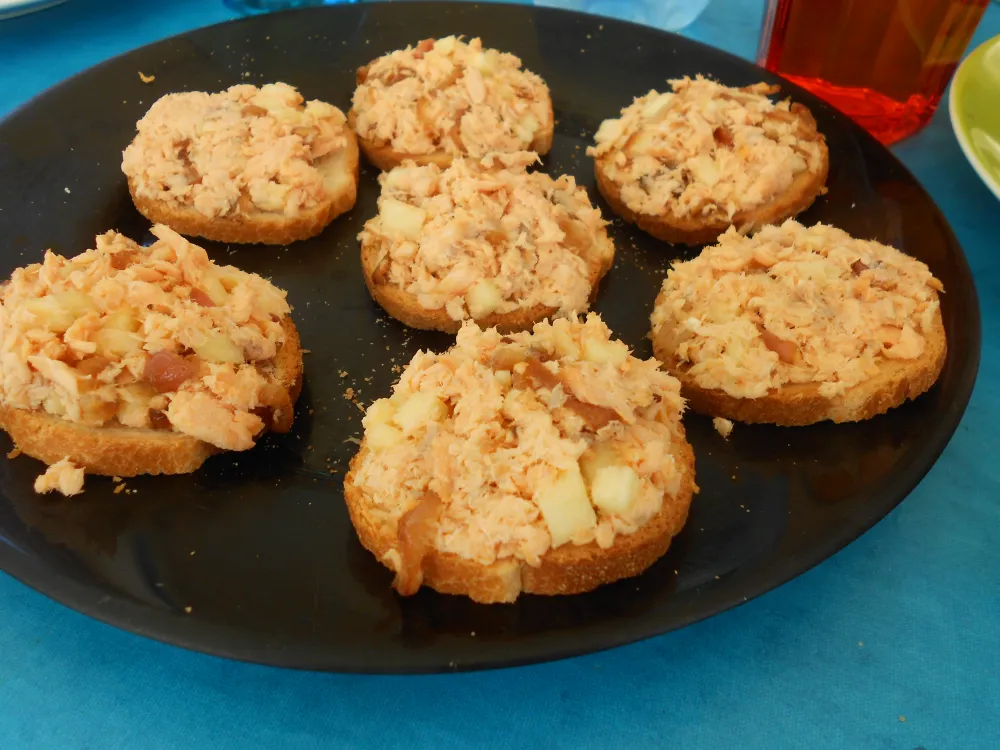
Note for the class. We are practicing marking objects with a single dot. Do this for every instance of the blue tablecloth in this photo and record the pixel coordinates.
(892, 643)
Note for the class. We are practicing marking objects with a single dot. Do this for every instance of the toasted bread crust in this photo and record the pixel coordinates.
(800, 403)
(406, 308)
(385, 157)
(128, 451)
(691, 230)
(265, 228)
(568, 569)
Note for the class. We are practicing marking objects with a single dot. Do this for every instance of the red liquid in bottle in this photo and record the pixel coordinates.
(885, 63)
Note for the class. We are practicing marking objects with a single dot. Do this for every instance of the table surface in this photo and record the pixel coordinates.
(892, 643)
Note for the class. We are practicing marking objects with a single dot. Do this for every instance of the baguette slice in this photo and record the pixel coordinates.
(799, 404)
(454, 79)
(128, 451)
(568, 569)
(797, 325)
(690, 230)
(542, 274)
(497, 467)
(340, 177)
(384, 157)
(698, 213)
(406, 308)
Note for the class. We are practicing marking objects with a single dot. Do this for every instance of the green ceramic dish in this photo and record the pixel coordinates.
(974, 105)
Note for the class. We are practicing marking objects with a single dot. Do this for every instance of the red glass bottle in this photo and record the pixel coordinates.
(885, 63)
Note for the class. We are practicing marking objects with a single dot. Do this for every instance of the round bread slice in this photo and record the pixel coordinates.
(384, 156)
(472, 101)
(570, 569)
(683, 190)
(80, 349)
(414, 550)
(280, 193)
(114, 450)
(340, 178)
(857, 267)
(800, 404)
(525, 296)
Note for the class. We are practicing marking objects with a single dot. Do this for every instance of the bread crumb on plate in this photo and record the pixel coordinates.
(64, 476)
(723, 426)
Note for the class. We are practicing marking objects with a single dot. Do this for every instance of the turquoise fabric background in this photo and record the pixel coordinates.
(892, 643)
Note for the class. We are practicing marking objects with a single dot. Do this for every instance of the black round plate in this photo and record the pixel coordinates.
(253, 557)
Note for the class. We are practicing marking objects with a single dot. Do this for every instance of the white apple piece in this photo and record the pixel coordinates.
(614, 489)
(482, 298)
(401, 218)
(418, 411)
(565, 506)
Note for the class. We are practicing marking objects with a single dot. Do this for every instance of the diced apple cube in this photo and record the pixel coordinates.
(565, 506)
(382, 435)
(122, 319)
(566, 345)
(217, 347)
(402, 218)
(398, 178)
(614, 488)
(276, 96)
(604, 352)
(136, 393)
(269, 196)
(640, 143)
(657, 106)
(321, 110)
(598, 457)
(445, 45)
(380, 412)
(95, 410)
(76, 302)
(704, 169)
(483, 298)
(609, 130)
(115, 342)
(133, 414)
(400, 394)
(54, 405)
(527, 127)
(418, 411)
(49, 314)
(488, 61)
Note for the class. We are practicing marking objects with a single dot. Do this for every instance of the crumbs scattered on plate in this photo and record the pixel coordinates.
(723, 426)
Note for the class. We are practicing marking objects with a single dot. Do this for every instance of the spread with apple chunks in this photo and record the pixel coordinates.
(452, 96)
(795, 304)
(244, 150)
(148, 337)
(487, 236)
(706, 150)
(515, 445)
